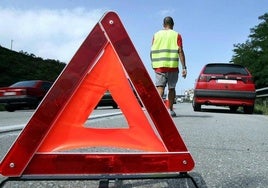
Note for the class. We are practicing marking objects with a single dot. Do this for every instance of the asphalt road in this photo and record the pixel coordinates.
(229, 149)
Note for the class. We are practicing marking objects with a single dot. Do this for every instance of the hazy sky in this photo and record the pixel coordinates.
(56, 29)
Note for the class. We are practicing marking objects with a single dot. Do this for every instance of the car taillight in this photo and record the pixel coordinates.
(248, 80)
(21, 91)
(203, 78)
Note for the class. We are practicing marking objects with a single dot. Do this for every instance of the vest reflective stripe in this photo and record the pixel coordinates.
(164, 51)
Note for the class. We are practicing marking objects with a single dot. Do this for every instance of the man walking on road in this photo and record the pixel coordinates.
(166, 51)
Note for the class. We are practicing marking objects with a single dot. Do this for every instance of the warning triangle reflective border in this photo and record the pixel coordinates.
(107, 60)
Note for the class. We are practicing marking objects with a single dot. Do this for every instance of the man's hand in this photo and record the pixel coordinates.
(184, 73)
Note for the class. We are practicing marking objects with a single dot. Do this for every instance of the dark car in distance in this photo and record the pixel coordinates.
(107, 100)
(24, 94)
(225, 84)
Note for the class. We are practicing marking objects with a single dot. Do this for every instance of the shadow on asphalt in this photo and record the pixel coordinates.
(190, 180)
(221, 111)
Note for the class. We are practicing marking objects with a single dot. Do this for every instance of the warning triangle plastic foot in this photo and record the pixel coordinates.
(107, 60)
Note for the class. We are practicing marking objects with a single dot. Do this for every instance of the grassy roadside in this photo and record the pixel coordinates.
(261, 106)
(2, 108)
(261, 110)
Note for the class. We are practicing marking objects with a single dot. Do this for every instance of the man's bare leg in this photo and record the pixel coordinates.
(160, 90)
(171, 98)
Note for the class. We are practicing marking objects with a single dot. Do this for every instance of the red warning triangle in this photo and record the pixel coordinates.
(107, 60)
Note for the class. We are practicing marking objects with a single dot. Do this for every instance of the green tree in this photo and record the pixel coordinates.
(253, 54)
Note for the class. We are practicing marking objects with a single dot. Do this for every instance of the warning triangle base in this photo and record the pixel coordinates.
(105, 163)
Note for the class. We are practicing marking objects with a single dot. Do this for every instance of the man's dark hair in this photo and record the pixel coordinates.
(168, 21)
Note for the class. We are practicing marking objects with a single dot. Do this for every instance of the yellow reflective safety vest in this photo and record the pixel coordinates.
(164, 51)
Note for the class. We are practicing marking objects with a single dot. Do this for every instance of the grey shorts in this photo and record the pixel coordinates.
(170, 78)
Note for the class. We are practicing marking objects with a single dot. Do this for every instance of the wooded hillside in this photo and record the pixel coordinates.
(18, 66)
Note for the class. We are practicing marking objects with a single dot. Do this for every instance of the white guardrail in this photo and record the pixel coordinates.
(262, 92)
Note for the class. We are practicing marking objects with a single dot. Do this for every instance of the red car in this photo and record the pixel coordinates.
(24, 94)
(225, 84)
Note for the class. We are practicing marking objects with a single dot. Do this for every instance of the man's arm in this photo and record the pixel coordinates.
(182, 57)
(183, 63)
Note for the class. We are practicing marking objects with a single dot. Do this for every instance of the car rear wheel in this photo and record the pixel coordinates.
(10, 108)
(233, 108)
(248, 109)
(196, 106)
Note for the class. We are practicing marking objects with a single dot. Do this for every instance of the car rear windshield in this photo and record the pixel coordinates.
(225, 69)
(24, 84)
